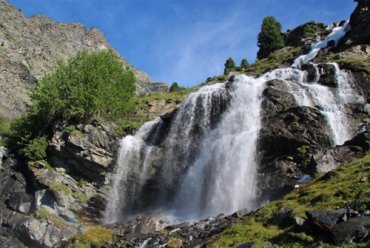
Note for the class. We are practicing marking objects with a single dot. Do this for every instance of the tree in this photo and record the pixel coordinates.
(270, 37)
(89, 85)
(244, 63)
(174, 87)
(229, 65)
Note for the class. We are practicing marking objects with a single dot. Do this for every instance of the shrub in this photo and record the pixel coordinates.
(89, 85)
(270, 37)
(36, 149)
(229, 66)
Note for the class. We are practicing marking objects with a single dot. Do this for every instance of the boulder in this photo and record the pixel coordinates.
(327, 75)
(324, 220)
(353, 230)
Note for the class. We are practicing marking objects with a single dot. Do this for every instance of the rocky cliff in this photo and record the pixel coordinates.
(32, 46)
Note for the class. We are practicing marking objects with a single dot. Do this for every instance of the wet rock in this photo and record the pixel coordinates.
(311, 72)
(327, 75)
(354, 230)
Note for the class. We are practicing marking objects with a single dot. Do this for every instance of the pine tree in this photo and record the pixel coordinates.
(270, 37)
(244, 63)
(229, 65)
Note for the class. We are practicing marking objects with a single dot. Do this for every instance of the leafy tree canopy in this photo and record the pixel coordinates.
(89, 85)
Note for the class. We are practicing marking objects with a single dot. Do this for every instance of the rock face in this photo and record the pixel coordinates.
(360, 22)
(30, 47)
(43, 205)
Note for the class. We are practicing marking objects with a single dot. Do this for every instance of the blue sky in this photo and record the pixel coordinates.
(185, 40)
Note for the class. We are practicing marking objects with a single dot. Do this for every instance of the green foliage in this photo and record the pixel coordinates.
(244, 63)
(229, 66)
(174, 87)
(89, 85)
(95, 236)
(61, 187)
(270, 37)
(36, 149)
(348, 188)
(5, 128)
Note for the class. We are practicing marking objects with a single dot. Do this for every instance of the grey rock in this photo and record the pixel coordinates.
(324, 220)
(21, 202)
(354, 230)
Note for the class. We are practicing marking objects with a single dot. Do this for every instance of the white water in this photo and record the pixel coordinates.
(206, 164)
(336, 35)
(222, 179)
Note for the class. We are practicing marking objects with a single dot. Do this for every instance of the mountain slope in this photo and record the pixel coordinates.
(30, 47)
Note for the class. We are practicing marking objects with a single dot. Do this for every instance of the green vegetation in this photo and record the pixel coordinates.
(229, 66)
(346, 189)
(275, 60)
(44, 214)
(244, 63)
(270, 37)
(5, 128)
(36, 149)
(355, 64)
(89, 85)
(67, 191)
(95, 236)
(175, 87)
(61, 187)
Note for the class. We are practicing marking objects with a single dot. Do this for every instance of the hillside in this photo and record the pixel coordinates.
(32, 46)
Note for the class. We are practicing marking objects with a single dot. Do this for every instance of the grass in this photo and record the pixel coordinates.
(95, 236)
(132, 121)
(277, 59)
(5, 130)
(44, 214)
(355, 64)
(61, 187)
(67, 191)
(348, 188)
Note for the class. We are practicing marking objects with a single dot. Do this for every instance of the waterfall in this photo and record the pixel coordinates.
(222, 178)
(202, 161)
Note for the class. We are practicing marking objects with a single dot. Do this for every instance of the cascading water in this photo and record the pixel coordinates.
(203, 162)
(222, 178)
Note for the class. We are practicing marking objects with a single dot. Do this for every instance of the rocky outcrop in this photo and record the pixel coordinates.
(360, 22)
(88, 150)
(30, 47)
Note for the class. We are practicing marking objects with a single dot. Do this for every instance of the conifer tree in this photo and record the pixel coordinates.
(270, 37)
(229, 65)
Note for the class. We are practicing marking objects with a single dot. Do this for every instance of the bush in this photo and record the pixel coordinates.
(89, 85)
(229, 66)
(270, 37)
(36, 149)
